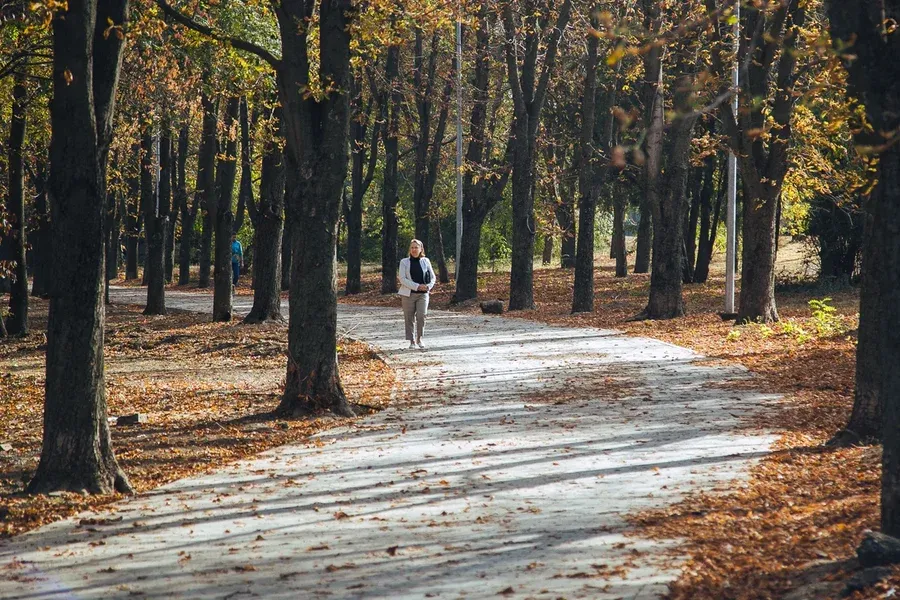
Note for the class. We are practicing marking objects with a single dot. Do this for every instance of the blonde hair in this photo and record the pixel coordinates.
(421, 245)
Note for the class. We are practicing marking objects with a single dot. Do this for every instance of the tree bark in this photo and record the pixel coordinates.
(206, 184)
(267, 232)
(77, 452)
(226, 172)
(17, 320)
(390, 198)
(317, 135)
(155, 225)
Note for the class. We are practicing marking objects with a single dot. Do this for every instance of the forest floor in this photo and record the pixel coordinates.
(207, 390)
(807, 505)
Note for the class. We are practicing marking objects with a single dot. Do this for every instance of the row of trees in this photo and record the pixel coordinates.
(612, 99)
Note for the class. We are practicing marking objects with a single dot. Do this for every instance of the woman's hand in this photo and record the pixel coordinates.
(422, 288)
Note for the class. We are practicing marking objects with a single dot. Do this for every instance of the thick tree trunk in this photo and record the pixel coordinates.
(226, 172)
(757, 299)
(206, 183)
(521, 276)
(887, 235)
(155, 225)
(267, 233)
(17, 320)
(77, 453)
(866, 417)
(389, 200)
(874, 81)
(470, 249)
(317, 137)
(666, 300)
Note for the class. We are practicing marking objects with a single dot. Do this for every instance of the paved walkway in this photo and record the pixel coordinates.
(508, 475)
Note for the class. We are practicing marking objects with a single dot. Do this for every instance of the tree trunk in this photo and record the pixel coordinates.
(565, 216)
(114, 205)
(206, 183)
(226, 172)
(690, 232)
(583, 292)
(188, 211)
(77, 452)
(318, 143)
(155, 225)
(757, 299)
(521, 276)
(529, 89)
(707, 229)
(132, 219)
(666, 300)
(443, 273)
(179, 199)
(245, 189)
(42, 238)
(17, 320)
(389, 200)
(547, 252)
(618, 238)
(874, 80)
(287, 235)
(470, 250)
(267, 232)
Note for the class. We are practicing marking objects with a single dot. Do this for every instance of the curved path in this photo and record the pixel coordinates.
(506, 475)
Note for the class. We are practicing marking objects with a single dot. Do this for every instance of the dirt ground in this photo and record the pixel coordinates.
(208, 390)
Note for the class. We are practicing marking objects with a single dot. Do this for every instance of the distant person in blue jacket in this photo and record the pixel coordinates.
(237, 260)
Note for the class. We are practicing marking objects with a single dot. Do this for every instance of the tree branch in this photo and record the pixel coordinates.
(211, 33)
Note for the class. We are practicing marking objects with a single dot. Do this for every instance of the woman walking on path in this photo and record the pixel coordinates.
(416, 280)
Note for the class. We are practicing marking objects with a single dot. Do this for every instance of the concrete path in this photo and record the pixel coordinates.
(507, 475)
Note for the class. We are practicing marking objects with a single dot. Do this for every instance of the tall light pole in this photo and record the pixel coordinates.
(731, 206)
(459, 143)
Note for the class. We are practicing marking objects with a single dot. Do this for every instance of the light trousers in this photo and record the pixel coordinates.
(415, 307)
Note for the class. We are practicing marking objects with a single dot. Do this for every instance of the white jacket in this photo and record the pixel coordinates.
(407, 285)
